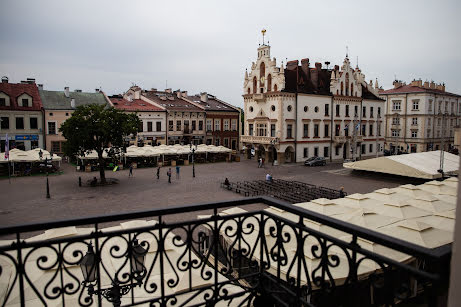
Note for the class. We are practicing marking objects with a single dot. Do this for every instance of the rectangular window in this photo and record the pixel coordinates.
(363, 147)
(370, 129)
(51, 128)
(289, 131)
(325, 152)
(25, 102)
(33, 123)
(305, 152)
(209, 125)
(306, 130)
(395, 132)
(396, 105)
(194, 125)
(149, 126)
(200, 125)
(337, 150)
(261, 129)
(370, 149)
(371, 111)
(178, 125)
(226, 125)
(186, 126)
(316, 130)
(234, 125)
(250, 128)
(356, 111)
(396, 120)
(327, 109)
(326, 130)
(416, 104)
(364, 129)
(2, 102)
(316, 151)
(5, 122)
(170, 125)
(347, 110)
(226, 142)
(19, 122)
(414, 134)
(414, 121)
(217, 125)
(272, 130)
(430, 105)
(337, 129)
(346, 129)
(158, 126)
(337, 110)
(379, 111)
(56, 146)
(217, 142)
(364, 111)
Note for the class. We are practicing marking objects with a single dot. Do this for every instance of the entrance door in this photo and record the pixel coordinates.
(316, 151)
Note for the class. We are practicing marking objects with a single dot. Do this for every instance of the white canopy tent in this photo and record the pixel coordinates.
(17, 155)
(423, 165)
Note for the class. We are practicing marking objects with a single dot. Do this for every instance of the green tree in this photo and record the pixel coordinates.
(97, 127)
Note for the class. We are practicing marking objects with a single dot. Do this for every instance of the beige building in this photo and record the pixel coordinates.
(300, 111)
(58, 107)
(420, 117)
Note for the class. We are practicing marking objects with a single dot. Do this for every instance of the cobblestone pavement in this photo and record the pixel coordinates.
(23, 201)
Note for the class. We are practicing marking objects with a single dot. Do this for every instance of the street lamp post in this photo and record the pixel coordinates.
(40, 155)
(193, 149)
(89, 266)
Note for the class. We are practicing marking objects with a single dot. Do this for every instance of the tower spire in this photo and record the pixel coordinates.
(263, 32)
(347, 51)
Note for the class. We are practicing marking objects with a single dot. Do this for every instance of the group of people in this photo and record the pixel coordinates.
(168, 173)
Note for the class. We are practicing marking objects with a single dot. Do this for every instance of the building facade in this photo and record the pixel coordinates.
(300, 111)
(21, 115)
(420, 117)
(185, 121)
(222, 122)
(153, 117)
(58, 107)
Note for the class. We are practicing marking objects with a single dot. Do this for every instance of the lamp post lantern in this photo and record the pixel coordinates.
(89, 266)
(40, 155)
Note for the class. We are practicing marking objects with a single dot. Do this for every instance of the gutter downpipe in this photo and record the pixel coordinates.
(331, 129)
(405, 126)
(296, 112)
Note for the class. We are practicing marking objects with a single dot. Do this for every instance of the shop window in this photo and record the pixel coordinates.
(19, 122)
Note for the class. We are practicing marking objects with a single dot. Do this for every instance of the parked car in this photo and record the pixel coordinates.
(315, 161)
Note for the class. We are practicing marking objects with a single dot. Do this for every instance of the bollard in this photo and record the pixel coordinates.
(79, 181)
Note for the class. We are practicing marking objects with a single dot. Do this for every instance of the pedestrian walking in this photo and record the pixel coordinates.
(131, 170)
(177, 171)
(259, 162)
(158, 172)
(169, 175)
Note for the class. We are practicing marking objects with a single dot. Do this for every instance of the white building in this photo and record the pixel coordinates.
(298, 112)
(420, 117)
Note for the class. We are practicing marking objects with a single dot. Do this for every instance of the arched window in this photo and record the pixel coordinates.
(262, 70)
(269, 83)
(275, 87)
(342, 88)
(352, 89)
(347, 84)
(255, 85)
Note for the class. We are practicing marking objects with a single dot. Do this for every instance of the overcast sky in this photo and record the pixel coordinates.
(206, 45)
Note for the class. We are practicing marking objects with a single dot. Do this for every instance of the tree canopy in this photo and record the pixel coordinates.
(97, 127)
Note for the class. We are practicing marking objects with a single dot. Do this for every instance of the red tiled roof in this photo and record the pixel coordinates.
(135, 105)
(415, 89)
(171, 102)
(14, 90)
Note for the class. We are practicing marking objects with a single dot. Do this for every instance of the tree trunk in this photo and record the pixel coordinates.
(102, 165)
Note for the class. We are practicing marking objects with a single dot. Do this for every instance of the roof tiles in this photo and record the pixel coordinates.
(14, 90)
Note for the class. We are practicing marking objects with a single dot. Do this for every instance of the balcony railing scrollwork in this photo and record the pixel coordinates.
(260, 139)
(239, 258)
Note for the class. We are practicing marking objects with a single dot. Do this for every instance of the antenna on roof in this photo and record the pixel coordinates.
(357, 61)
(263, 31)
(347, 51)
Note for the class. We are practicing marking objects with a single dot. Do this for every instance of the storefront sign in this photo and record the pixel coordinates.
(31, 137)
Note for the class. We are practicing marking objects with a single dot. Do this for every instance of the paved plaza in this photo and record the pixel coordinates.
(24, 201)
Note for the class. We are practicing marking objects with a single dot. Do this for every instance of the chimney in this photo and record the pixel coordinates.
(178, 93)
(66, 91)
(31, 80)
(432, 85)
(426, 84)
(96, 90)
(184, 93)
(305, 66)
(4, 79)
(40, 86)
(72, 103)
(318, 66)
(168, 90)
(204, 96)
(153, 90)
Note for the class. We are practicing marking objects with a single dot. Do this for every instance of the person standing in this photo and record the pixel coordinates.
(341, 193)
(158, 172)
(177, 171)
(131, 170)
(169, 175)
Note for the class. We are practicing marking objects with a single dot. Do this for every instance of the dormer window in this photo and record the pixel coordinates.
(2, 102)
(25, 102)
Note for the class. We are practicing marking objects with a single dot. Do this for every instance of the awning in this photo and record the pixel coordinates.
(423, 165)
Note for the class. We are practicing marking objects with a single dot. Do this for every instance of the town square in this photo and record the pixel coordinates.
(244, 153)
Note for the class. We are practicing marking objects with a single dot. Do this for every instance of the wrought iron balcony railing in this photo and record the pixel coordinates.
(253, 258)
